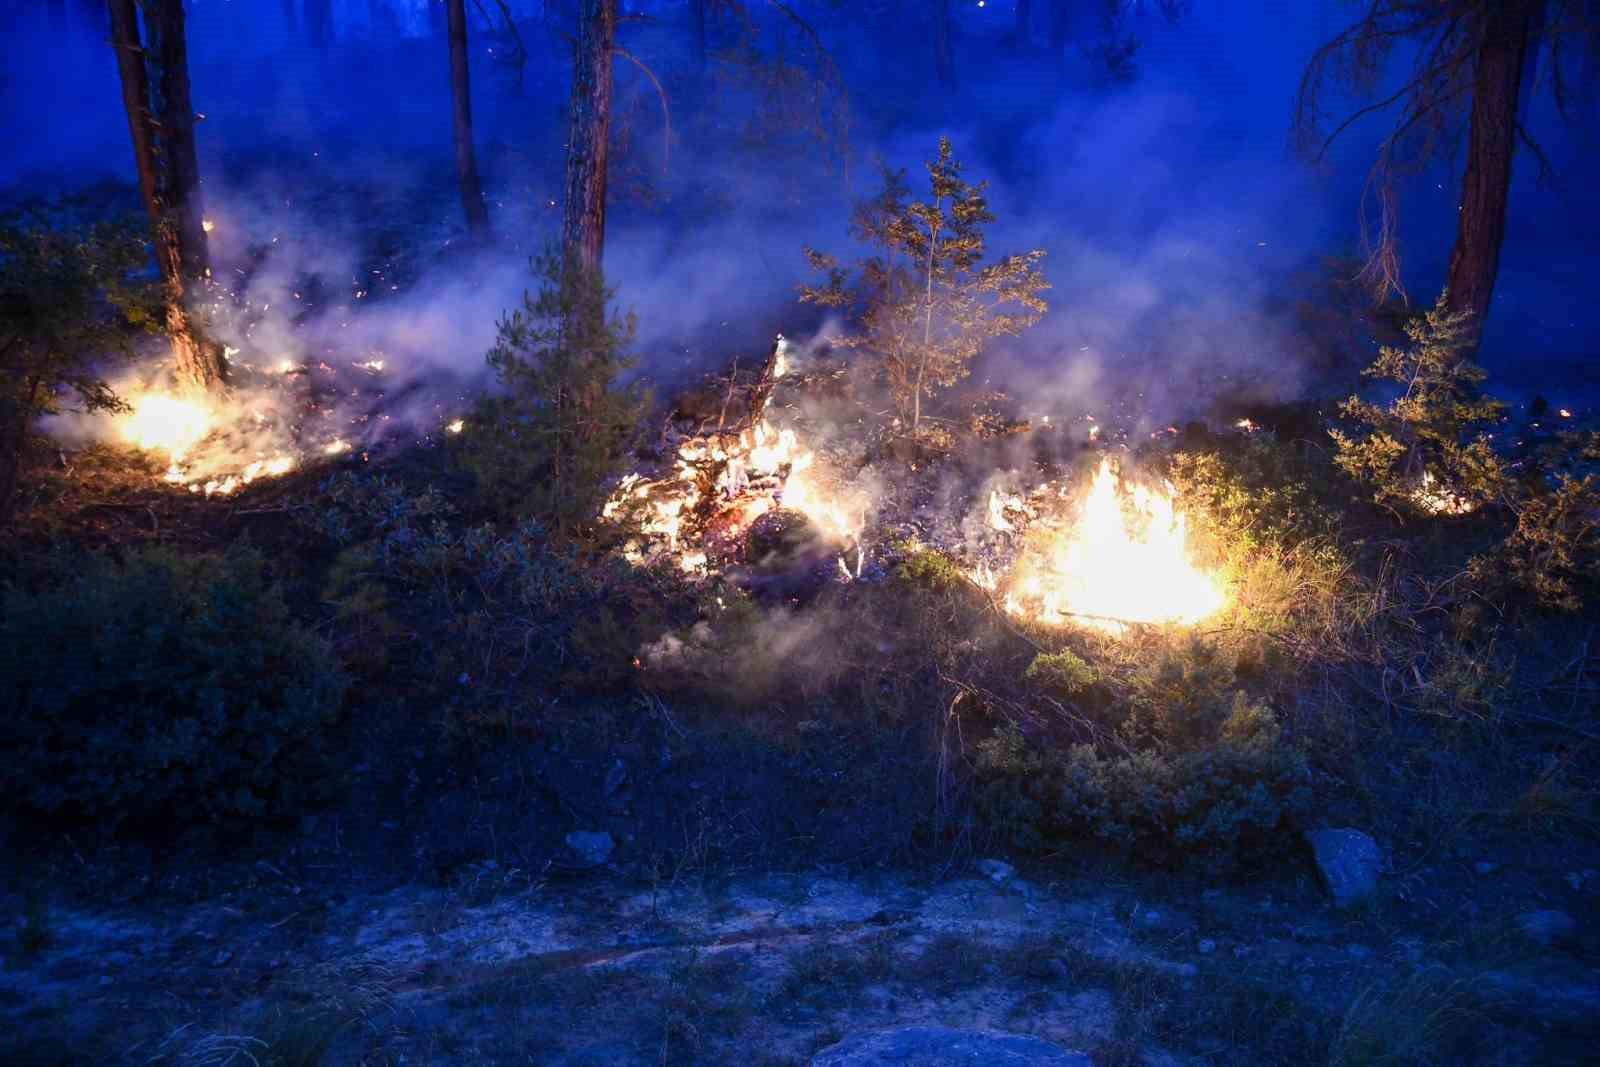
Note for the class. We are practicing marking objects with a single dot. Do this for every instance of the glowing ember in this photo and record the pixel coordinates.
(160, 423)
(373, 365)
(1436, 499)
(1565, 414)
(1105, 571)
(455, 426)
(338, 447)
(207, 225)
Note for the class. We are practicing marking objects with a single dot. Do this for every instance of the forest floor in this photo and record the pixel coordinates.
(308, 963)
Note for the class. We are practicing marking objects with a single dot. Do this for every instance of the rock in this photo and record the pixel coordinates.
(937, 1046)
(592, 848)
(1206, 946)
(1348, 861)
(1546, 927)
(996, 870)
(1485, 867)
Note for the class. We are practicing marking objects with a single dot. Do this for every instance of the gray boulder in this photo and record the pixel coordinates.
(937, 1046)
(1349, 862)
(590, 847)
(1546, 927)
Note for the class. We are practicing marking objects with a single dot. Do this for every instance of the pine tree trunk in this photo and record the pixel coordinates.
(1060, 19)
(319, 23)
(461, 97)
(697, 25)
(943, 65)
(155, 93)
(1491, 142)
(1019, 35)
(583, 225)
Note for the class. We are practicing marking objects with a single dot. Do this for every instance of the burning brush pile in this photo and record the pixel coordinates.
(747, 487)
(734, 485)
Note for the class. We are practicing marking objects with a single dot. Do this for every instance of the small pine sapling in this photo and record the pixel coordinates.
(1428, 447)
(549, 444)
(68, 298)
(924, 304)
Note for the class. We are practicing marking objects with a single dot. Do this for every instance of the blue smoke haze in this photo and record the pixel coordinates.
(1183, 236)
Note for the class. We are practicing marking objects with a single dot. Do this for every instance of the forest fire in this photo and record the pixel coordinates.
(722, 479)
(184, 431)
(1121, 558)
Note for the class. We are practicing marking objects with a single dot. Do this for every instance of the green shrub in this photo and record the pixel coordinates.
(66, 301)
(1064, 672)
(929, 567)
(160, 687)
(1218, 803)
(1554, 551)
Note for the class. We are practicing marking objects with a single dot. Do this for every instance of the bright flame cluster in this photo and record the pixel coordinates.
(175, 427)
(1123, 558)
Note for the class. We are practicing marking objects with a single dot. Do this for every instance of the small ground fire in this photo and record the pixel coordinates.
(1115, 558)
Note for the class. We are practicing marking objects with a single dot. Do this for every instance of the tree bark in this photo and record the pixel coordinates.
(1020, 33)
(943, 65)
(155, 93)
(1491, 143)
(461, 98)
(1060, 19)
(319, 23)
(583, 225)
(697, 25)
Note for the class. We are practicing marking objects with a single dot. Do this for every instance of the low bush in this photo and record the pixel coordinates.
(1065, 673)
(1217, 803)
(161, 687)
(483, 612)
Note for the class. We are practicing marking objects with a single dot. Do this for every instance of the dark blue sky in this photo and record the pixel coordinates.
(1178, 223)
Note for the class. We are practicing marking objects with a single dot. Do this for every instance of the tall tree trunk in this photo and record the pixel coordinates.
(1491, 142)
(1060, 20)
(697, 26)
(155, 93)
(58, 16)
(319, 23)
(583, 224)
(461, 98)
(943, 64)
(291, 20)
(1022, 31)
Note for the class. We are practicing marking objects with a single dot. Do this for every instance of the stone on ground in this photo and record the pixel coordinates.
(1348, 861)
(592, 848)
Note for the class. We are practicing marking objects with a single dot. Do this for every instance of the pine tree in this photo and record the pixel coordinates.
(155, 94)
(1429, 445)
(1470, 65)
(583, 224)
(925, 304)
(461, 101)
(548, 446)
